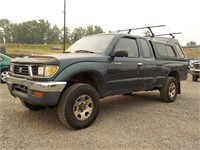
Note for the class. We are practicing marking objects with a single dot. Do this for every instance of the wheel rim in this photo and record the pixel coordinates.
(172, 90)
(4, 75)
(83, 107)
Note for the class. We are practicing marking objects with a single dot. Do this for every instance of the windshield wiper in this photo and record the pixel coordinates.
(82, 51)
(67, 52)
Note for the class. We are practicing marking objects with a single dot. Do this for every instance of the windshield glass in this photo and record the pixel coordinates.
(91, 44)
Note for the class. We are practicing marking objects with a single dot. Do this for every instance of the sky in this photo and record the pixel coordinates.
(177, 15)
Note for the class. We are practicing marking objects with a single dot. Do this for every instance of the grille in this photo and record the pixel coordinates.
(20, 88)
(35, 70)
(197, 66)
(21, 70)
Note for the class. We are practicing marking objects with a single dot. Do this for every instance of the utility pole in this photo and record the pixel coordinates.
(64, 25)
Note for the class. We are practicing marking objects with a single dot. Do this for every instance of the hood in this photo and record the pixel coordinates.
(57, 59)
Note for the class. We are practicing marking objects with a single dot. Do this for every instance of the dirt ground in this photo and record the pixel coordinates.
(140, 121)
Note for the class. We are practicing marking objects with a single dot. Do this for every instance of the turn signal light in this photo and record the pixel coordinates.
(38, 93)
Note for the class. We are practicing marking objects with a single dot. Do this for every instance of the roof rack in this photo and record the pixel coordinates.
(171, 34)
(148, 27)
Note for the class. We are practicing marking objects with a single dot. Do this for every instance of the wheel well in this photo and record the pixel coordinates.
(175, 75)
(94, 79)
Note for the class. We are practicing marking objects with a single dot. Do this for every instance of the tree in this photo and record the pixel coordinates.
(53, 35)
(67, 36)
(191, 43)
(41, 32)
(6, 32)
(93, 30)
(77, 34)
(1, 36)
(147, 33)
(31, 32)
(17, 33)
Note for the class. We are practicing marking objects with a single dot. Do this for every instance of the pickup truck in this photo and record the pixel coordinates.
(195, 69)
(94, 67)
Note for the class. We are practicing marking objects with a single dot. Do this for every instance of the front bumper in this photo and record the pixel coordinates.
(25, 90)
(195, 71)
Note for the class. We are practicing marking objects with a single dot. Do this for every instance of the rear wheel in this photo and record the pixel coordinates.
(78, 106)
(169, 91)
(32, 107)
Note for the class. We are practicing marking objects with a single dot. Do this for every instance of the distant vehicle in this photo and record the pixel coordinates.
(195, 69)
(191, 60)
(55, 48)
(4, 65)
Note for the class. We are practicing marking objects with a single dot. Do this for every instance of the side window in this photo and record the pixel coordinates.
(145, 48)
(128, 44)
(161, 49)
(165, 50)
(179, 50)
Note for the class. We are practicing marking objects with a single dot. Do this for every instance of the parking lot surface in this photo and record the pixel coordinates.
(139, 121)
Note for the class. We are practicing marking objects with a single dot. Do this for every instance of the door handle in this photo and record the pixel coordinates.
(139, 64)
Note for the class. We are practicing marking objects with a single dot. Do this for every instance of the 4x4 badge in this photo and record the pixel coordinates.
(20, 69)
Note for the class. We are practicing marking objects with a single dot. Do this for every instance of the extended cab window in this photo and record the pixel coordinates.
(128, 44)
(165, 50)
(145, 48)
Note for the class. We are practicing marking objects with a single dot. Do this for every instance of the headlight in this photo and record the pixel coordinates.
(191, 66)
(46, 71)
(11, 67)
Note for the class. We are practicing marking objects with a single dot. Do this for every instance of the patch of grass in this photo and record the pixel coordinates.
(32, 48)
(190, 52)
(44, 49)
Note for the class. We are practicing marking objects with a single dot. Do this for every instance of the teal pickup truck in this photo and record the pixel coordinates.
(95, 67)
(4, 65)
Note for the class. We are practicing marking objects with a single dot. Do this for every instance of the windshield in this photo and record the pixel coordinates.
(91, 44)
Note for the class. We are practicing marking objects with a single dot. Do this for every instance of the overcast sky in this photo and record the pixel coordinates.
(177, 15)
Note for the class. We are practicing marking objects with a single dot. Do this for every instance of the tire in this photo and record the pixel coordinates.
(194, 78)
(4, 73)
(169, 91)
(32, 107)
(78, 106)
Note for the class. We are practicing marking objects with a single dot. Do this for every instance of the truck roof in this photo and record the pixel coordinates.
(164, 39)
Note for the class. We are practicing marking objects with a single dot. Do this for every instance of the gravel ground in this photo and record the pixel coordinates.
(139, 121)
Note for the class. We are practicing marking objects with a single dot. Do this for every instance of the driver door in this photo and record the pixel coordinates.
(124, 72)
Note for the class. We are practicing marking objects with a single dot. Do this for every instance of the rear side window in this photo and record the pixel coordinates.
(179, 50)
(165, 50)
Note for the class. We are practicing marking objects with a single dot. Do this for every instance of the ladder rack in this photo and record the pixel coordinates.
(171, 34)
(148, 27)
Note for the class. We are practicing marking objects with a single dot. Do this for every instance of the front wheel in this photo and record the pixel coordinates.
(169, 90)
(78, 106)
(4, 74)
(194, 78)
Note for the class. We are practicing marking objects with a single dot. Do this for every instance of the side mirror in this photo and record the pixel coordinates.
(121, 53)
